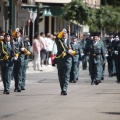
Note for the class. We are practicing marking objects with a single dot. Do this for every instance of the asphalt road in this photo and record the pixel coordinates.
(42, 100)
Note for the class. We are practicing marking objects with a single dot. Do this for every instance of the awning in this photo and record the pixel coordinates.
(30, 7)
(47, 10)
(53, 1)
(52, 11)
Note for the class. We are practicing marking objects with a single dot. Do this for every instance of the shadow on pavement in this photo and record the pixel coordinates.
(112, 113)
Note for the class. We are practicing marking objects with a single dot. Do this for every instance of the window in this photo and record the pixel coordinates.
(24, 1)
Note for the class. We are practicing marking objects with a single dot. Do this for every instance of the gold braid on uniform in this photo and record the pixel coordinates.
(4, 52)
(63, 54)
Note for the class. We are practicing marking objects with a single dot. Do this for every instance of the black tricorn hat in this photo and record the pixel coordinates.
(96, 34)
(6, 34)
(111, 33)
(73, 35)
(118, 33)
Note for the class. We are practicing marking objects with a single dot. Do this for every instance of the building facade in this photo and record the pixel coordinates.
(25, 13)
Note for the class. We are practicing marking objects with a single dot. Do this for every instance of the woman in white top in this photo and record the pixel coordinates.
(49, 46)
(43, 48)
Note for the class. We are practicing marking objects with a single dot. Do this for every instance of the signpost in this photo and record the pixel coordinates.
(33, 16)
(24, 15)
(1, 20)
(1, 14)
(29, 26)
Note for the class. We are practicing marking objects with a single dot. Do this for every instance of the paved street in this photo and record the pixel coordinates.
(42, 100)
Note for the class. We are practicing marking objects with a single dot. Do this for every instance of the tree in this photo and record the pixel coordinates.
(77, 11)
(110, 2)
(105, 18)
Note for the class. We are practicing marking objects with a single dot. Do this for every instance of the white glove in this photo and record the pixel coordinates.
(22, 49)
(1, 37)
(82, 54)
(116, 52)
(15, 58)
(70, 51)
(106, 55)
(64, 30)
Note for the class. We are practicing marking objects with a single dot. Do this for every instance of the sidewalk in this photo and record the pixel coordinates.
(45, 68)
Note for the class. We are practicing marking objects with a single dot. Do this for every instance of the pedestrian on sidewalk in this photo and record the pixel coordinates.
(49, 45)
(43, 48)
(36, 52)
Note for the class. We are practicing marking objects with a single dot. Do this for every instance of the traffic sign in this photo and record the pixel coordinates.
(24, 15)
(33, 16)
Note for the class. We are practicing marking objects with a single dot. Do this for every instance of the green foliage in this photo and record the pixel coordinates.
(106, 17)
(76, 10)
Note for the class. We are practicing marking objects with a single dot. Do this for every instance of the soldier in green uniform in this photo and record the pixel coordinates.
(84, 57)
(7, 55)
(75, 59)
(24, 63)
(110, 60)
(118, 60)
(115, 48)
(18, 60)
(21, 61)
(2, 33)
(103, 65)
(96, 52)
(64, 60)
(88, 40)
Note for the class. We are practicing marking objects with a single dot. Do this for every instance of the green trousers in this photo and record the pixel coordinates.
(64, 69)
(6, 67)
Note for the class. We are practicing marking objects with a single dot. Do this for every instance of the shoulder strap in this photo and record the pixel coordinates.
(62, 45)
(4, 52)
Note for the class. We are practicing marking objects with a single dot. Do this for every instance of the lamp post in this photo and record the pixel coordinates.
(28, 26)
(33, 16)
(12, 15)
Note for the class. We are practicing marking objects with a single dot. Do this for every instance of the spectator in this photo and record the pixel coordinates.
(49, 45)
(36, 51)
(43, 48)
(54, 49)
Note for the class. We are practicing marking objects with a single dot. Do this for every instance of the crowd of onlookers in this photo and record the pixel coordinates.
(43, 46)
